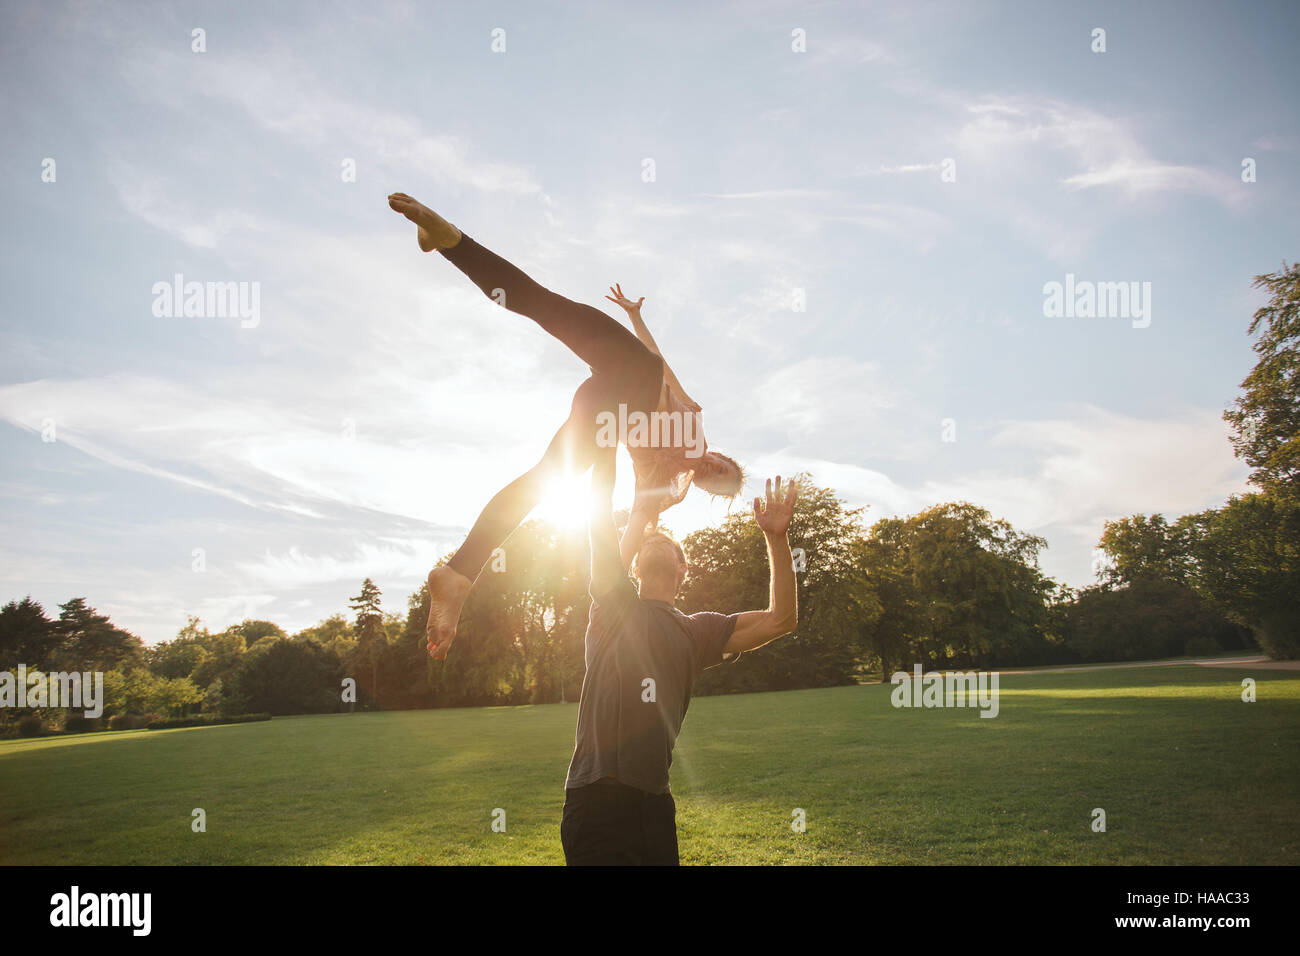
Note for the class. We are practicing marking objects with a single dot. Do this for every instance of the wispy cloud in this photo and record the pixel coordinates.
(148, 199)
(1137, 179)
(1107, 151)
(777, 194)
(883, 170)
(265, 454)
(286, 96)
(825, 48)
(388, 560)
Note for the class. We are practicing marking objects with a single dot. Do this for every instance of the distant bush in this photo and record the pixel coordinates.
(31, 726)
(80, 725)
(1203, 646)
(1146, 619)
(1279, 635)
(205, 721)
(131, 721)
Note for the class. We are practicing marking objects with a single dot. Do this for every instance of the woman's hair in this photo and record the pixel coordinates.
(718, 474)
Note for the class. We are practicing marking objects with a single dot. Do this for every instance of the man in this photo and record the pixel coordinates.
(642, 657)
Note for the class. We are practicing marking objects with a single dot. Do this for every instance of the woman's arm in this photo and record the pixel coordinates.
(633, 310)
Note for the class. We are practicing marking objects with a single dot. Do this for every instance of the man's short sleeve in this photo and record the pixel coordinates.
(610, 611)
(710, 632)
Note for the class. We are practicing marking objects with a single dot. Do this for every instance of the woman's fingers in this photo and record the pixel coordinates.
(618, 298)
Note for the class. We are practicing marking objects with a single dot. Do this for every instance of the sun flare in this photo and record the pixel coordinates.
(565, 503)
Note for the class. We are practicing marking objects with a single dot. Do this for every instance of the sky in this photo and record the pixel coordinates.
(843, 217)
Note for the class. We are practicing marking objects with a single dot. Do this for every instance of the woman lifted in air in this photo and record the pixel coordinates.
(628, 376)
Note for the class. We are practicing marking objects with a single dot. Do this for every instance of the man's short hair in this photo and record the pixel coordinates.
(650, 536)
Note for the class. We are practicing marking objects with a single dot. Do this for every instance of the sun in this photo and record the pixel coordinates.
(565, 503)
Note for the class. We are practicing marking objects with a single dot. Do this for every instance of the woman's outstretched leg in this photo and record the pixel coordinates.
(570, 452)
(433, 232)
(601, 341)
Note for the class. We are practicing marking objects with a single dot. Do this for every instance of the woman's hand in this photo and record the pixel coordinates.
(618, 298)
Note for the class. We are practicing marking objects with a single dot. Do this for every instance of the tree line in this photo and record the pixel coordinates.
(951, 587)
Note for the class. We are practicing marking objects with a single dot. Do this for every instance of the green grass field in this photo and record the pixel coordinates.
(1186, 772)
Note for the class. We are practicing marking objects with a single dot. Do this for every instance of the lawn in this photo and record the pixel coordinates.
(1186, 772)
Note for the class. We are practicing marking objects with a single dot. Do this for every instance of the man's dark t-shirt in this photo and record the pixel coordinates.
(642, 661)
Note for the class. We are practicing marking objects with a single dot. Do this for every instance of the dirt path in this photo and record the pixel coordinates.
(1252, 661)
(1260, 663)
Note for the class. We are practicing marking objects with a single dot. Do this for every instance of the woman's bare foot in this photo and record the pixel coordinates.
(434, 232)
(447, 592)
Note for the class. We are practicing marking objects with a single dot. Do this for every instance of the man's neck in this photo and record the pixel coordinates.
(649, 591)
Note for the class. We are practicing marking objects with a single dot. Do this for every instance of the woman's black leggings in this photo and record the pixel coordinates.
(623, 371)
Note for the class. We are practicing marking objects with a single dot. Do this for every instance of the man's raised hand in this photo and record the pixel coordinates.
(774, 514)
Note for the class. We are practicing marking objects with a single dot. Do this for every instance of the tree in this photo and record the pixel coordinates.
(27, 636)
(177, 694)
(223, 653)
(372, 641)
(837, 605)
(958, 588)
(289, 677)
(214, 697)
(333, 628)
(1146, 546)
(367, 606)
(1248, 562)
(253, 631)
(1248, 552)
(137, 691)
(1266, 418)
(182, 656)
(334, 633)
(88, 641)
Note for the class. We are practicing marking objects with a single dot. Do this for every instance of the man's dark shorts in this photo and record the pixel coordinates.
(608, 823)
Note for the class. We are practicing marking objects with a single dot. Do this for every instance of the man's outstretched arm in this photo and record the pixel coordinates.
(756, 628)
